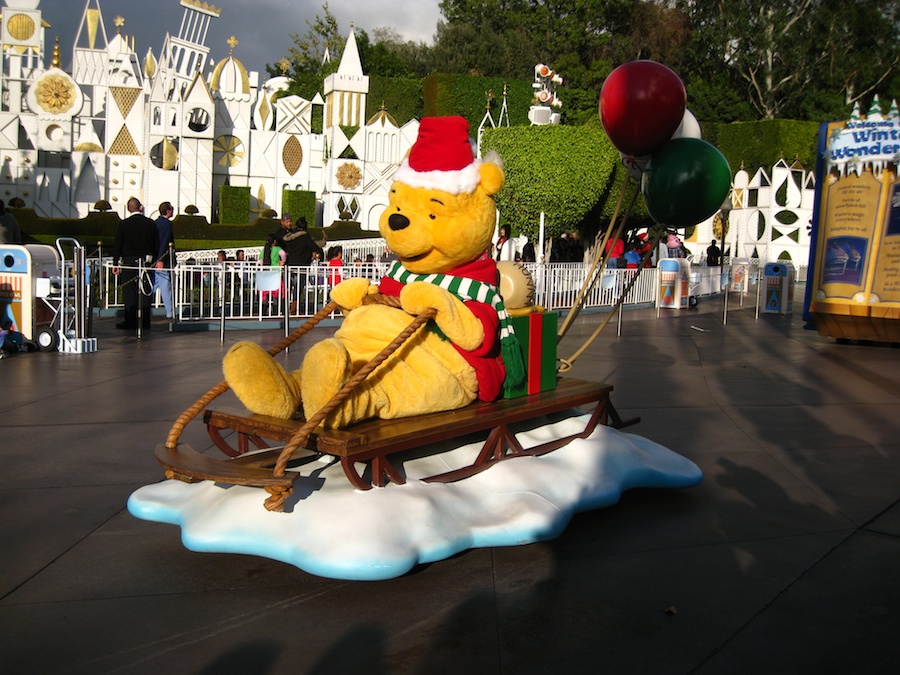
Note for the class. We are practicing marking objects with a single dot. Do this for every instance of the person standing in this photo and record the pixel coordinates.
(9, 227)
(137, 242)
(300, 249)
(297, 243)
(505, 247)
(165, 258)
(713, 255)
(335, 264)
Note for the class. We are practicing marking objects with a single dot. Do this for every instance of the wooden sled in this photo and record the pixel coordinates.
(370, 443)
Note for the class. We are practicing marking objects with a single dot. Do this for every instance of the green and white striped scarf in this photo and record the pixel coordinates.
(470, 289)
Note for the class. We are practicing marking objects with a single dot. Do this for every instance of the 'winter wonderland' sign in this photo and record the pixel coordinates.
(855, 270)
(872, 143)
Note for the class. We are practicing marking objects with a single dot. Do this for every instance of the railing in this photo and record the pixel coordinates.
(246, 291)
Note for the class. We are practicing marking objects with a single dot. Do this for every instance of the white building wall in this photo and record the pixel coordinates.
(124, 114)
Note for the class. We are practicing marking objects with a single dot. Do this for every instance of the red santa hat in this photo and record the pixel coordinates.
(441, 158)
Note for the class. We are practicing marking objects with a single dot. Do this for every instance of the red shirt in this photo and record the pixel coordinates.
(485, 359)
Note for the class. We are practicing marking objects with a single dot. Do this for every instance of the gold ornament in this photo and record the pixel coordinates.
(20, 27)
(348, 176)
(229, 150)
(55, 94)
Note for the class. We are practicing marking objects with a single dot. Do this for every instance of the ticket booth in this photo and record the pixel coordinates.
(778, 291)
(674, 283)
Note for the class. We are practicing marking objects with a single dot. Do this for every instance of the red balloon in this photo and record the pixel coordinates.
(642, 104)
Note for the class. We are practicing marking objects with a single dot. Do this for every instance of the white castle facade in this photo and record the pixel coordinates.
(769, 216)
(176, 128)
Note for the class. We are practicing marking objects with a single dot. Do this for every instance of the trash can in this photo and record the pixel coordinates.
(779, 288)
(674, 283)
(24, 271)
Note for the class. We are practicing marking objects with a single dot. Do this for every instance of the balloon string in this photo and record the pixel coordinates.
(601, 256)
(566, 364)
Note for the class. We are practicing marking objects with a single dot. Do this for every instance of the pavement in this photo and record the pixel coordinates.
(785, 559)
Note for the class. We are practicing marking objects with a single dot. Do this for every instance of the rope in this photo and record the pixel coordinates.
(222, 387)
(302, 434)
(566, 364)
(601, 255)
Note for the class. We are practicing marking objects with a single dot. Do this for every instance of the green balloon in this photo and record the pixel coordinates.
(686, 182)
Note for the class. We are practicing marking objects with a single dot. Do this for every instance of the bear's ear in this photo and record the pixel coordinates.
(492, 176)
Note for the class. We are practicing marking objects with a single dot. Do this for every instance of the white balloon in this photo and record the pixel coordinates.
(689, 127)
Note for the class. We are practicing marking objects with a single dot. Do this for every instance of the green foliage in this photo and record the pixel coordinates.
(717, 99)
(401, 97)
(466, 95)
(348, 229)
(304, 57)
(300, 204)
(95, 227)
(234, 204)
(559, 170)
(761, 144)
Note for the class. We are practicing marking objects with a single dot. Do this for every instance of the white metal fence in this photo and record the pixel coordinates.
(246, 291)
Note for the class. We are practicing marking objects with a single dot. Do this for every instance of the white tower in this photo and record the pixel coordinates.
(345, 106)
(184, 55)
(346, 90)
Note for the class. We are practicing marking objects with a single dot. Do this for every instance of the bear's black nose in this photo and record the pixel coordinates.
(397, 221)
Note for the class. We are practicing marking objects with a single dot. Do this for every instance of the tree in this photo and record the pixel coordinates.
(305, 59)
(583, 40)
(852, 34)
(792, 58)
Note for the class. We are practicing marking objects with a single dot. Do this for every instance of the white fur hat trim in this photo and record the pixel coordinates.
(464, 180)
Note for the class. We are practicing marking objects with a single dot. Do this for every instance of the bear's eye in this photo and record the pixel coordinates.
(432, 216)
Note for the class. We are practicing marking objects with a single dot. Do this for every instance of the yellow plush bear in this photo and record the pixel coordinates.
(439, 222)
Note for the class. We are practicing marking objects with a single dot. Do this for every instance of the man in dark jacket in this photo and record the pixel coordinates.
(297, 243)
(300, 248)
(137, 242)
(165, 257)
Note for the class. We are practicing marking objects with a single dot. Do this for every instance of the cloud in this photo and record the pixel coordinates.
(331, 530)
(262, 27)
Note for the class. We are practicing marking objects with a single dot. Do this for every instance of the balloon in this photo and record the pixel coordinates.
(689, 127)
(686, 182)
(641, 105)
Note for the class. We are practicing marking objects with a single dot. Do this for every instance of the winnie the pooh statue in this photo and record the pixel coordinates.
(439, 222)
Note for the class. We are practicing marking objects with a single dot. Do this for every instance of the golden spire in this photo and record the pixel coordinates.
(119, 21)
(285, 66)
(232, 43)
(56, 62)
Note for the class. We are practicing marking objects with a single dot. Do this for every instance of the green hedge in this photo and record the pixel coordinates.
(93, 228)
(560, 170)
(465, 95)
(762, 144)
(402, 98)
(234, 204)
(299, 203)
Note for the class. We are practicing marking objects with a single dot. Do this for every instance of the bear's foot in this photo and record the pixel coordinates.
(326, 369)
(259, 381)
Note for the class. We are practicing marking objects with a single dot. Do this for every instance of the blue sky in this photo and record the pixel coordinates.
(262, 27)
